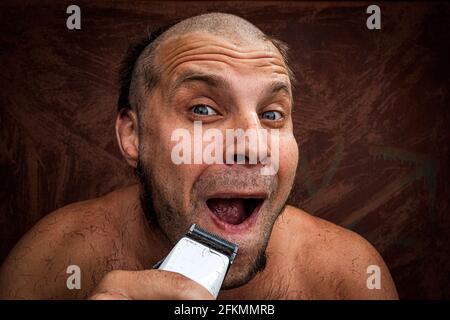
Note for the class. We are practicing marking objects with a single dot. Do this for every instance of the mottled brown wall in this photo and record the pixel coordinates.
(371, 117)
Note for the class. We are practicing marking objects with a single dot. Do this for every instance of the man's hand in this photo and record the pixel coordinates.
(148, 285)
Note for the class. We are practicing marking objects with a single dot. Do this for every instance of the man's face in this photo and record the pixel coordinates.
(209, 79)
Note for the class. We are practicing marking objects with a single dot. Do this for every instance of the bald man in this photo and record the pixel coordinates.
(219, 71)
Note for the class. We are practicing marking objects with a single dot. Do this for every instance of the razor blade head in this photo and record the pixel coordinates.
(213, 241)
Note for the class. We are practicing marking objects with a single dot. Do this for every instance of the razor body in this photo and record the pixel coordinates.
(201, 256)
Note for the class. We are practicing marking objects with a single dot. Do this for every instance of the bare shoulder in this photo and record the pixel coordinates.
(80, 234)
(344, 264)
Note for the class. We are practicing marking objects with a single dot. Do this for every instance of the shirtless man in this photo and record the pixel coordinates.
(221, 70)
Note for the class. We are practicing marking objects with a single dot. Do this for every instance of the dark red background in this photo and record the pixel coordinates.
(371, 117)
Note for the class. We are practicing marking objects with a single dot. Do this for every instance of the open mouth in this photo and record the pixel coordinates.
(234, 211)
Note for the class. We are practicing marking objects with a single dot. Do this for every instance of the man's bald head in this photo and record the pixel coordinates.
(228, 26)
(140, 73)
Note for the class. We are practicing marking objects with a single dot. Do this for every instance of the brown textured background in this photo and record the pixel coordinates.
(371, 117)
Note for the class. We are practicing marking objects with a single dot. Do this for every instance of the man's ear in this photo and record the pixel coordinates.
(128, 135)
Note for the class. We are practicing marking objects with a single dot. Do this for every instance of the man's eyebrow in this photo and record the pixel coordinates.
(280, 85)
(217, 81)
(211, 80)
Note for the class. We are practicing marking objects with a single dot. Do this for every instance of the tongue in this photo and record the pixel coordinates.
(231, 211)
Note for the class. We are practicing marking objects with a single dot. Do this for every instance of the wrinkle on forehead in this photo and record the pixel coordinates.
(216, 51)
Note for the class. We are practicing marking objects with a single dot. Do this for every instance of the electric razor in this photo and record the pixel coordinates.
(201, 256)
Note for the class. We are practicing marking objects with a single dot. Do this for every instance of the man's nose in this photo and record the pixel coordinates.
(249, 144)
(247, 120)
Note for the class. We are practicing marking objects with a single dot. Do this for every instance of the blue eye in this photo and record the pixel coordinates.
(203, 110)
(271, 115)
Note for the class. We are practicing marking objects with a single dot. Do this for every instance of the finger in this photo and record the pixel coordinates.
(153, 284)
(109, 295)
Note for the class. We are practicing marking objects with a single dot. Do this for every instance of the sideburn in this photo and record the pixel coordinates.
(146, 194)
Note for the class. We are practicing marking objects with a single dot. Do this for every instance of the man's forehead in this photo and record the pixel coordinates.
(203, 45)
(198, 53)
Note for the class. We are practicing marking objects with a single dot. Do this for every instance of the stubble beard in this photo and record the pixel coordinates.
(147, 203)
